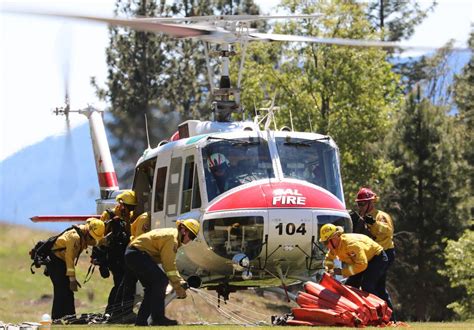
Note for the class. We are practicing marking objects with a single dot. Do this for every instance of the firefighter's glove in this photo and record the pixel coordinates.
(355, 217)
(369, 219)
(179, 289)
(73, 284)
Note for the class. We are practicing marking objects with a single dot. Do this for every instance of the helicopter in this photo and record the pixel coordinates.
(259, 221)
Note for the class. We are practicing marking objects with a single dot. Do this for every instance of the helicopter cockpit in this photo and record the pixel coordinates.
(311, 160)
(229, 163)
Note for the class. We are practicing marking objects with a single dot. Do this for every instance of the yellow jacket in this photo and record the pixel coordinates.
(355, 250)
(142, 224)
(382, 229)
(69, 246)
(161, 245)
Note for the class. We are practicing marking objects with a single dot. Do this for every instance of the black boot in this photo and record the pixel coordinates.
(165, 321)
(129, 318)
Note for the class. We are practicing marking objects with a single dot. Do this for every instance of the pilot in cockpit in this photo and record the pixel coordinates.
(314, 173)
(222, 171)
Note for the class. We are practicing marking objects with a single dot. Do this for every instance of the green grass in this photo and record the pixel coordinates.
(25, 297)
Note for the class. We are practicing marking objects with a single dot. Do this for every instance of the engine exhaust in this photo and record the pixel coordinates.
(194, 281)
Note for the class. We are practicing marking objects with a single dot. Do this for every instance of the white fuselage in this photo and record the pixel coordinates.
(277, 190)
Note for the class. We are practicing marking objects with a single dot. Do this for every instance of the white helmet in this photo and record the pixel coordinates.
(217, 161)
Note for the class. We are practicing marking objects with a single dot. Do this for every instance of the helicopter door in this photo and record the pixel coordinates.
(159, 190)
(190, 195)
(142, 185)
(289, 235)
(173, 191)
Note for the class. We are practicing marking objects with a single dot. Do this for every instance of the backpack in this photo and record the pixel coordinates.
(41, 252)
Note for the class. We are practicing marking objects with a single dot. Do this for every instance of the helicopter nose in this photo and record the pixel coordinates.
(281, 194)
(282, 216)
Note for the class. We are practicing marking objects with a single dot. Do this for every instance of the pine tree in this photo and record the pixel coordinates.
(152, 74)
(348, 93)
(464, 99)
(134, 87)
(428, 191)
(398, 18)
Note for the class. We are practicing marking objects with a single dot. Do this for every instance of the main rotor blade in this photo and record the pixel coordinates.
(342, 42)
(214, 18)
(221, 35)
(178, 31)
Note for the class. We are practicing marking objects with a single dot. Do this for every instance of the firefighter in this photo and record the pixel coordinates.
(142, 257)
(126, 291)
(126, 203)
(380, 226)
(142, 224)
(61, 268)
(362, 257)
(117, 230)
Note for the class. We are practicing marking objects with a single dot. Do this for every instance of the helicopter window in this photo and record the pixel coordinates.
(229, 236)
(160, 189)
(142, 185)
(229, 163)
(187, 184)
(173, 186)
(314, 161)
(196, 191)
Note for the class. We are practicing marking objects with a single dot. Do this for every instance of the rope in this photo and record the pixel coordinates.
(226, 314)
(231, 315)
(231, 304)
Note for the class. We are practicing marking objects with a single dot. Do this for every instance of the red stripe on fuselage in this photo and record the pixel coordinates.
(63, 218)
(278, 195)
(108, 180)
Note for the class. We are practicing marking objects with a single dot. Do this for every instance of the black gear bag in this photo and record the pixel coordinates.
(41, 252)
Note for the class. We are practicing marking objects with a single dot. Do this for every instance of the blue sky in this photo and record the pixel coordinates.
(33, 52)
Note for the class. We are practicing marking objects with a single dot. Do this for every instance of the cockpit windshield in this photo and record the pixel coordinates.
(229, 163)
(314, 161)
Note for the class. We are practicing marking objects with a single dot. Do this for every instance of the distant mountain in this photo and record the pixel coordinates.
(56, 176)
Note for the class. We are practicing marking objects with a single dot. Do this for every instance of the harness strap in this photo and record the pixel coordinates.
(90, 271)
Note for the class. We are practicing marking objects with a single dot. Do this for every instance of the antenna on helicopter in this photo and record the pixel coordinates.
(291, 120)
(147, 133)
(269, 117)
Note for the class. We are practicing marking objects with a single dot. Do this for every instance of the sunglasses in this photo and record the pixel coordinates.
(361, 203)
(326, 243)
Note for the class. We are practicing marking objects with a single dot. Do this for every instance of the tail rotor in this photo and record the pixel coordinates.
(68, 172)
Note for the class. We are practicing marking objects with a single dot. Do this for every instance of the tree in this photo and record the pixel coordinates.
(464, 99)
(459, 256)
(397, 18)
(345, 92)
(154, 75)
(134, 86)
(427, 203)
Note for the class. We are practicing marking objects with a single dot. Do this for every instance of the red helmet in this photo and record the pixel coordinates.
(365, 194)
